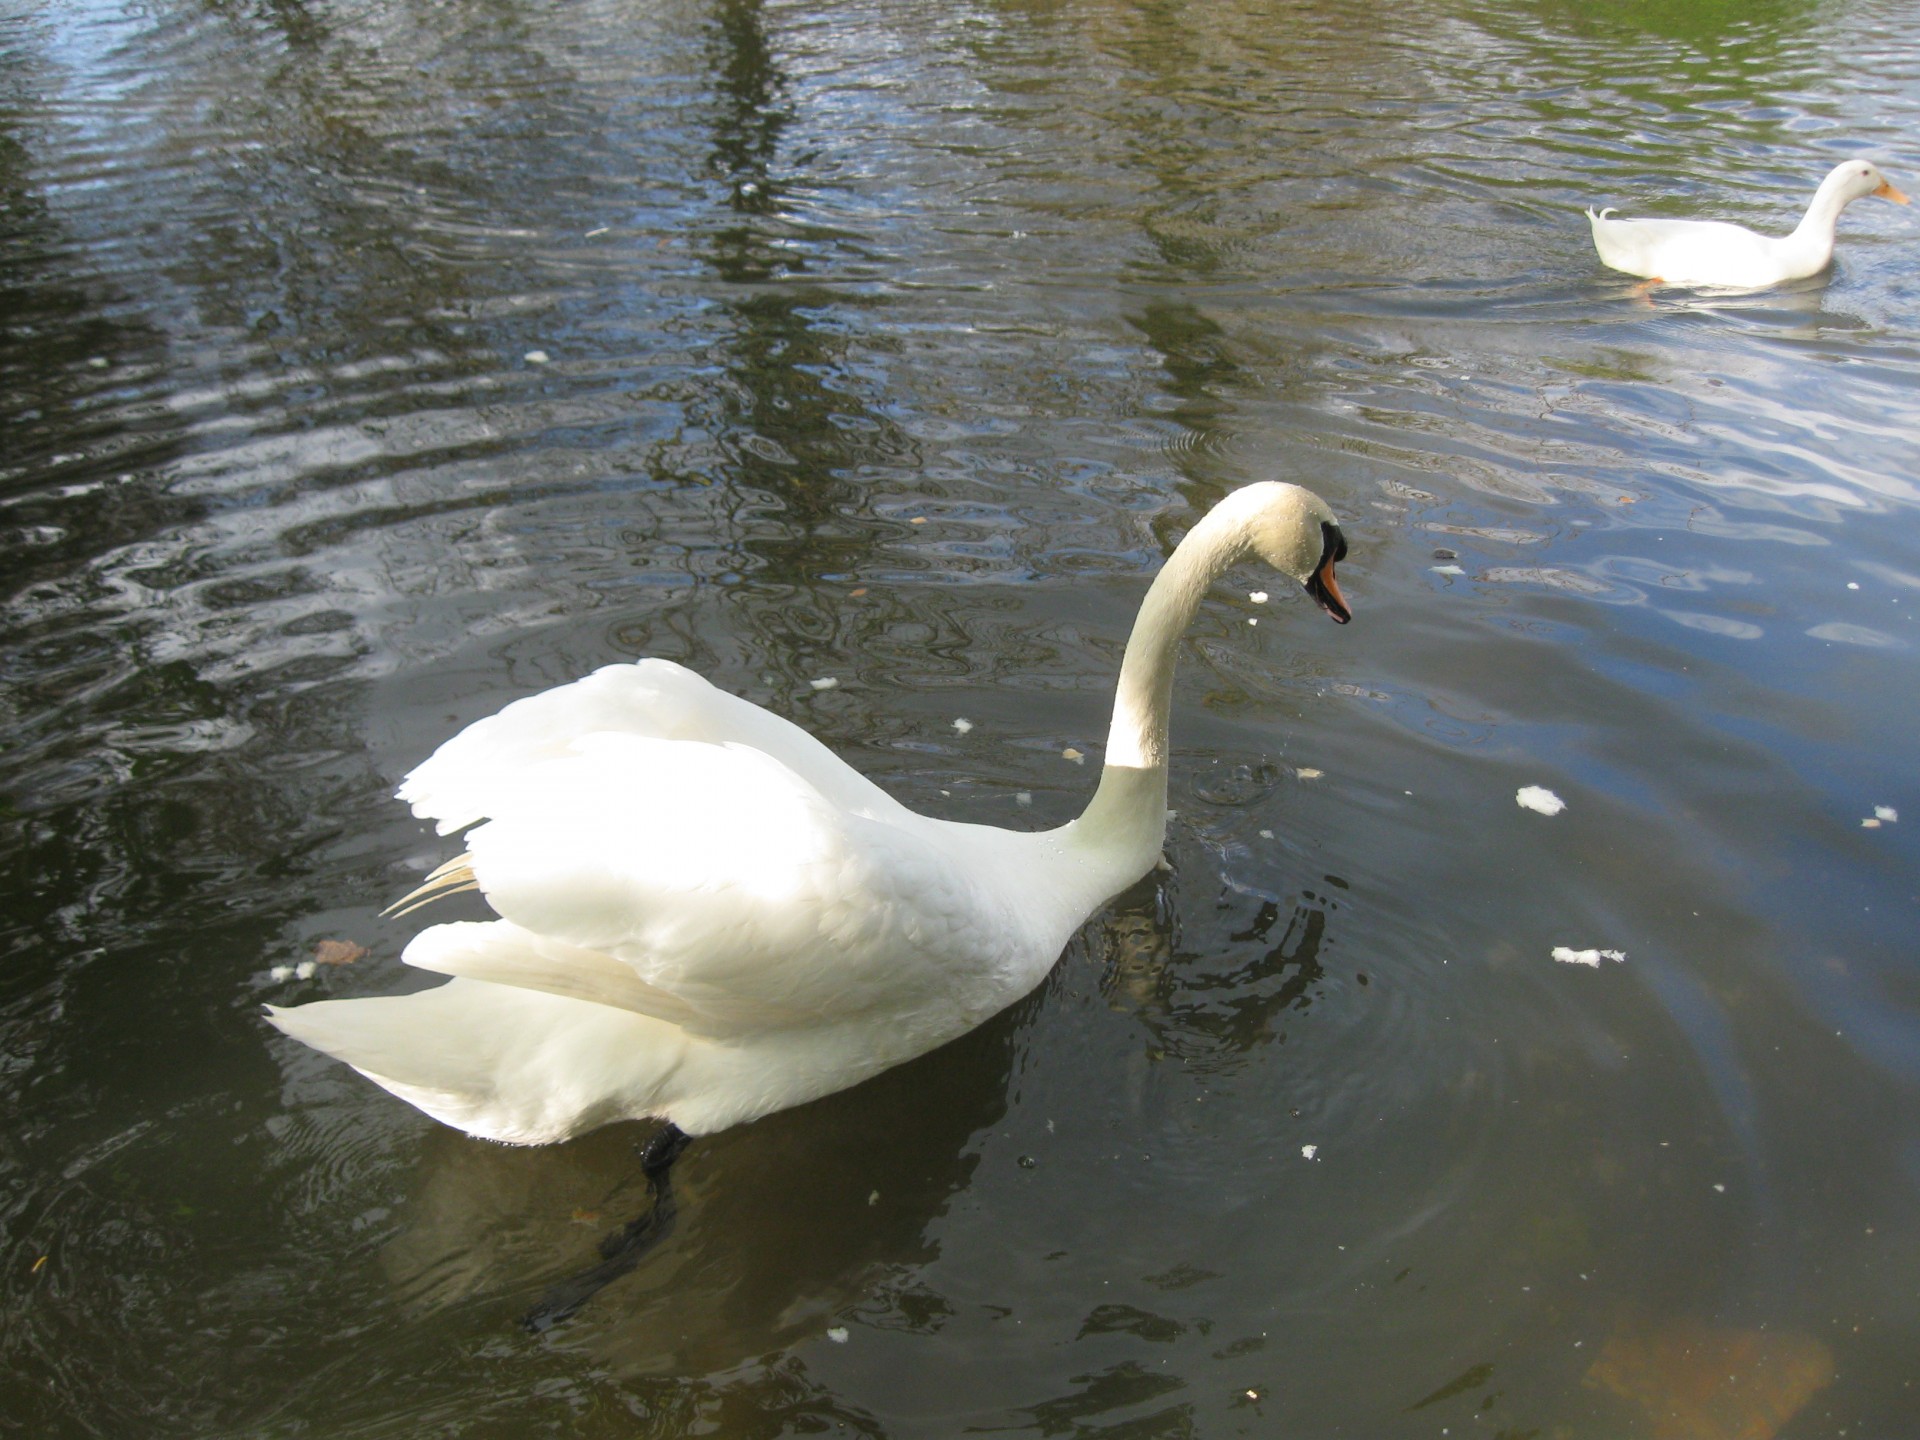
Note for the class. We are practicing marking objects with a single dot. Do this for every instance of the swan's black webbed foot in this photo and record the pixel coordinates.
(621, 1250)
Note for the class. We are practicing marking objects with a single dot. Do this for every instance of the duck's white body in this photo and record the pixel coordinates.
(1715, 253)
(707, 916)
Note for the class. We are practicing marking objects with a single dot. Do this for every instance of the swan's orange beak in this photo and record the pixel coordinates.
(1326, 594)
(1324, 589)
(1888, 191)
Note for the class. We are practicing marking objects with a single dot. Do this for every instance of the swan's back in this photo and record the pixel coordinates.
(455, 786)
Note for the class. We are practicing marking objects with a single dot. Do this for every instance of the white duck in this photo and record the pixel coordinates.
(707, 916)
(1715, 253)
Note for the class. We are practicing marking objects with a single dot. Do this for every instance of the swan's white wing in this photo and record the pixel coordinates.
(728, 882)
(503, 953)
(457, 784)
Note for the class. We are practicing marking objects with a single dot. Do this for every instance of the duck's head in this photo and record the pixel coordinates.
(1294, 531)
(1857, 179)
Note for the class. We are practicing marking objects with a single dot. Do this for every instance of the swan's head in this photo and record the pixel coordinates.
(1857, 179)
(1294, 531)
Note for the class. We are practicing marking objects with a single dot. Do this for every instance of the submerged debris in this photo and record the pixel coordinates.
(1695, 1381)
(338, 952)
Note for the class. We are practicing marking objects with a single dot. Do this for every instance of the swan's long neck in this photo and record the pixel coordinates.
(1137, 739)
(1126, 821)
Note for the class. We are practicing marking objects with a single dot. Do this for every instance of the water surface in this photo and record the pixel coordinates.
(364, 366)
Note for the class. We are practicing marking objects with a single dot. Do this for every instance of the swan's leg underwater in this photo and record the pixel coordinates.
(621, 1250)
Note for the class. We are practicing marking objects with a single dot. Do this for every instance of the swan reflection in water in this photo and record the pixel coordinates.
(783, 1226)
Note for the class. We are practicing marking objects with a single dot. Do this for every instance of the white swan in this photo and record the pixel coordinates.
(706, 916)
(1714, 253)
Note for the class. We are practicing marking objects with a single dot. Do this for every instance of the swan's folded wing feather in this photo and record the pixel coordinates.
(503, 953)
(728, 882)
(456, 785)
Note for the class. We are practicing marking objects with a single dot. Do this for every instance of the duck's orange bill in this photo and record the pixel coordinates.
(1889, 191)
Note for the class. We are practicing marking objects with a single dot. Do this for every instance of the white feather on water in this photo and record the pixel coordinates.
(1538, 797)
(1567, 955)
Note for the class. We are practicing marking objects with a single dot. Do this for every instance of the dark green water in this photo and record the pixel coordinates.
(363, 366)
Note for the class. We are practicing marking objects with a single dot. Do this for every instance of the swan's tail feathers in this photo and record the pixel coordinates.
(501, 1063)
(453, 878)
(1596, 216)
(405, 1042)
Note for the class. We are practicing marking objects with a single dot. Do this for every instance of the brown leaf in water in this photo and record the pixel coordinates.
(338, 952)
(1472, 1379)
(1699, 1382)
